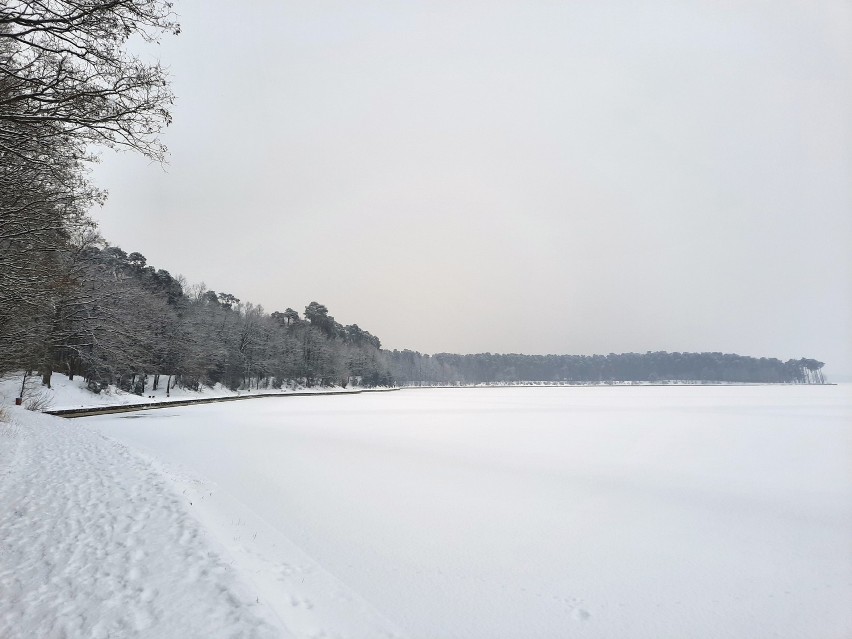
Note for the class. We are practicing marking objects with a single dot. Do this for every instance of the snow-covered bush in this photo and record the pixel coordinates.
(38, 401)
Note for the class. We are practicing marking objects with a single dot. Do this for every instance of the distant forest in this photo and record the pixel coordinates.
(485, 368)
(69, 302)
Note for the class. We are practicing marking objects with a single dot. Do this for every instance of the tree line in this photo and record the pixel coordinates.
(117, 320)
(413, 368)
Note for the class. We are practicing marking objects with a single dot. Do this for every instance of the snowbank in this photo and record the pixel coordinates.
(67, 394)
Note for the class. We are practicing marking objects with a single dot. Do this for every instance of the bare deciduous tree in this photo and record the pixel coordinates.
(67, 85)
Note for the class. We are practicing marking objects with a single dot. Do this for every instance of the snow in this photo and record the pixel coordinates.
(65, 393)
(94, 543)
(642, 512)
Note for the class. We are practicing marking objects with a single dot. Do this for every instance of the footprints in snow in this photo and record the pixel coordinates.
(580, 614)
(288, 572)
(92, 526)
(298, 602)
(575, 609)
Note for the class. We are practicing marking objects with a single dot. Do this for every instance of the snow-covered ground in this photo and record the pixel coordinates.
(641, 512)
(493, 512)
(65, 393)
(94, 543)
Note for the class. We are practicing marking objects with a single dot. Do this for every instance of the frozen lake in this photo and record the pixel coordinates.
(641, 512)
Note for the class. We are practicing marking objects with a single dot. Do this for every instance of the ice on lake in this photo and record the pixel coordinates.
(642, 512)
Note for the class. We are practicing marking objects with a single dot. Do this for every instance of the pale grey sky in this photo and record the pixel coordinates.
(540, 177)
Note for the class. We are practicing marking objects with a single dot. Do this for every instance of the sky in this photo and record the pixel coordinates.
(537, 177)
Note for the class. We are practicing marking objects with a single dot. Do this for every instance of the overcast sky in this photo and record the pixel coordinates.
(538, 177)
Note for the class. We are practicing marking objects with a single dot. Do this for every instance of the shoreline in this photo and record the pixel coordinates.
(71, 413)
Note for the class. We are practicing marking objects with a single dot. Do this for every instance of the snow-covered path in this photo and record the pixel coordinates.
(95, 543)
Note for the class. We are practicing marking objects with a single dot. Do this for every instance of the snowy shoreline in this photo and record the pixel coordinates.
(126, 408)
(71, 398)
(88, 411)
